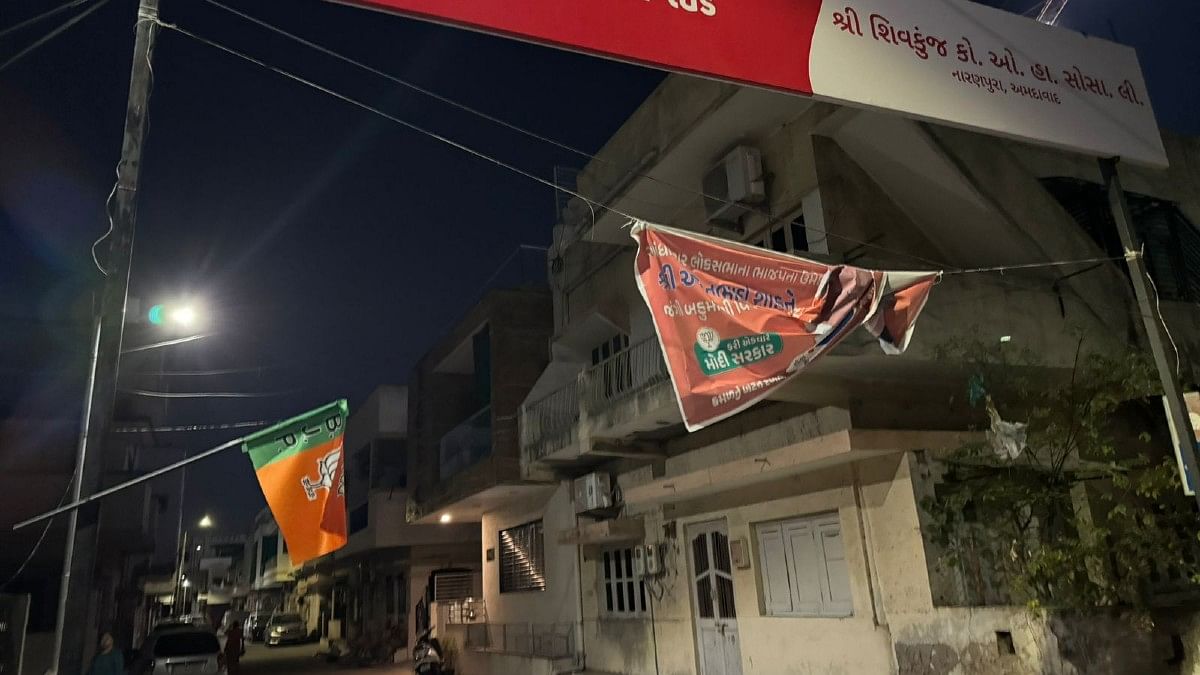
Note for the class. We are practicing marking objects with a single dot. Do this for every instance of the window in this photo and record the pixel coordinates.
(609, 348)
(269, 550)
(391, 464)
(624, 590)
(522, 558)
(803, 567)
(1172, 242)
(359, 518)
(803, 233)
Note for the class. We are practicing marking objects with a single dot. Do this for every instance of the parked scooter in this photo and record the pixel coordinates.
(427, 656)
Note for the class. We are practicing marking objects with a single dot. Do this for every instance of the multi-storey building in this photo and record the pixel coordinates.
(369, 588)
(790, 537)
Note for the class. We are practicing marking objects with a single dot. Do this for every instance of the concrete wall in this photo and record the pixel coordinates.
(558, 603)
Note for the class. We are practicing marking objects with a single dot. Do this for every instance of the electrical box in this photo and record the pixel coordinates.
(650, 560)
(593, 492)
(639, 561)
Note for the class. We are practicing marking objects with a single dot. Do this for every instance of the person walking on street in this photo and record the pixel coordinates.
(234, 648)
(108, 661)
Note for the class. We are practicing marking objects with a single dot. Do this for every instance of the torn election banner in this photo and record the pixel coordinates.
(736, 322)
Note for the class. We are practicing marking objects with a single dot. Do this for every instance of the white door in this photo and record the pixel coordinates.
(712, 589)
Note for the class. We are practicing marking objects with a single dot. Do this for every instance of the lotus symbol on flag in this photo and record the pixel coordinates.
(326, 470)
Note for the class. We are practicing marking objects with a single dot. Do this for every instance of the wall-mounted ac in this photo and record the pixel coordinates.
(733, 186)
(593, 493)
(454, 585)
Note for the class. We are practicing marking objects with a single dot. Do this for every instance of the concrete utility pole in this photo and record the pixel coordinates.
(1181, 425)
(73, 633)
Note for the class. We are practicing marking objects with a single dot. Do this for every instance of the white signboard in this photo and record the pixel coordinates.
(1192, 400)
(950, 61)
(969, 65)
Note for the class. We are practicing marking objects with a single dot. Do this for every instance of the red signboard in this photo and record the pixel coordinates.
(951, 61)
(741, 41)
(737, 322)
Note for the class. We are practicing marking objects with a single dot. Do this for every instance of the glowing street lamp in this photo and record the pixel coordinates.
(206, 522)
(179, 315)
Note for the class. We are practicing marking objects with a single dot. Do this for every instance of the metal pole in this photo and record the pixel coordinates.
(177, 604)
(130, 483)
(60, 617)
(1181, 425)
(77, 634)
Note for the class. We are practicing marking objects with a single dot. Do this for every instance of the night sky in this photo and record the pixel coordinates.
(330, 247)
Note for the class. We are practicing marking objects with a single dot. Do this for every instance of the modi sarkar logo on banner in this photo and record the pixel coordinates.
(300, 465)
(737, 322)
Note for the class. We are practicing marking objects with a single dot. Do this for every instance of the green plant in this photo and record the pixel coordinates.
(1090, 513)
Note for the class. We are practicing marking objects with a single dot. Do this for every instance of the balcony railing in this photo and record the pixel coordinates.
(545, 640)
(547, 424)
(627, 372)
(466, 444)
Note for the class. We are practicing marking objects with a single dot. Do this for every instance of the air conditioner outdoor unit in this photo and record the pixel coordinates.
(593, 492)
(733, 186)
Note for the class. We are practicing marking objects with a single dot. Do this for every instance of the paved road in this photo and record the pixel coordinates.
(261, 660)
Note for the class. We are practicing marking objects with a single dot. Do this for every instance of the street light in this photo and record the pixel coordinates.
(183, 315)
(206, 522)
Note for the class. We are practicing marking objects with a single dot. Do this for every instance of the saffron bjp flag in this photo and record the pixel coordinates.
(300, 467)
(737, 322)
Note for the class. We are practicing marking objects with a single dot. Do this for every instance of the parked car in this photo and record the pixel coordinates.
(286, 628)
(256, 626)
(178, 650)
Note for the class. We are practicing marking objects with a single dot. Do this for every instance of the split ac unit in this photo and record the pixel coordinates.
(593, 492)
(733, 186)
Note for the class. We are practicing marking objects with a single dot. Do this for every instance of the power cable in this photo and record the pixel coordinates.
(535, 135)
(388, 116)
(208, 394)
(53, 34)
(522, 172)
(40, 539)
(1029, 266)
(192, 427)
(44, 15)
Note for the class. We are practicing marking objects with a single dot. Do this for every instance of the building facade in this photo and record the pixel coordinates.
(368, 590)
(791, 537)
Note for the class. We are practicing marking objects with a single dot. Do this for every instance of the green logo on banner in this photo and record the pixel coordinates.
(718, 356)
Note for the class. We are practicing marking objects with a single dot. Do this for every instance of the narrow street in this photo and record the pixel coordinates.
(261, 660)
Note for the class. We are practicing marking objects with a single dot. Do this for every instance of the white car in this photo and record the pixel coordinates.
(179, 651)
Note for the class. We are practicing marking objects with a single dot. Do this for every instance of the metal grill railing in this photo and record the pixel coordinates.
(546, 424)
(629, 371)
(545, 640)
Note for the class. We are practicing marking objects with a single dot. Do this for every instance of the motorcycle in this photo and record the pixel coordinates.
(427, 656)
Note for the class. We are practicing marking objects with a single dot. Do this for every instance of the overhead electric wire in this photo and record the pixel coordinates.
(1030, 266)
(527, 132)
(53, 34)
(208, 394)
(192, 427)
(44, 15)
(388, 116)
(41, 538)
(508, 125)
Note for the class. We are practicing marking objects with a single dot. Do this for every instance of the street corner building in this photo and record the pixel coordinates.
(789, 535)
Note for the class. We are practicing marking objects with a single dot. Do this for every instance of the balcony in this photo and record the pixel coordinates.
(465, 444)
(550, 424)
(625, 395)
(629, 372)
